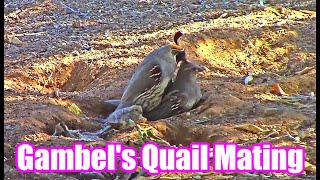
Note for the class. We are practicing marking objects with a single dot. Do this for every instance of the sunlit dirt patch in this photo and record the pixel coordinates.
(236, 51)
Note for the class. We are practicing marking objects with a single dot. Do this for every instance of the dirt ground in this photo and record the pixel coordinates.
(88, 50)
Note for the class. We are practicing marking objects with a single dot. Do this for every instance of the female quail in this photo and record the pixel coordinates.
(181, 95)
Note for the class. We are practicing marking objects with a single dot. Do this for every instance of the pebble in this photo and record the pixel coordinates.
(248, 80)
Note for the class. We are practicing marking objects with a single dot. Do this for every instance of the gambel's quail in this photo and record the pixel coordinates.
(181, 95)
(180, 56)
(133, 112)
(151, 77)
(118, 118)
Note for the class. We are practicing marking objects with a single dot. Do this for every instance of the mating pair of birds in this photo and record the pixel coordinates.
(152, 92)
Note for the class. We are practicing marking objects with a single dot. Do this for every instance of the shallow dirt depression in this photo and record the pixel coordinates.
(87, 61)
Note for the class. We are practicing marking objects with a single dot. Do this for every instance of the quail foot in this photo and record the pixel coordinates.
(181, 95)
(151, 77)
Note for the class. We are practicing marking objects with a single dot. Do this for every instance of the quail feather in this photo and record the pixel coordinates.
(122, 115)
(151, 77)
(118, 118)
(113, 102)
(181, 95)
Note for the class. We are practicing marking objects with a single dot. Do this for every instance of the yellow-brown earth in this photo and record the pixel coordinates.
(89, 53)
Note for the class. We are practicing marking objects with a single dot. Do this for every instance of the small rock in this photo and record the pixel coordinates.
(312, 94)
(55, 93)
(76, 24)
(85, 47)
(248, 80)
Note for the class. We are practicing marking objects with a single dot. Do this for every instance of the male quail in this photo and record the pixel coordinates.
(151, 77)
(181, 95)
(181, 56)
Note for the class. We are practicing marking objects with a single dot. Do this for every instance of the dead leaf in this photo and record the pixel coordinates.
(310, 167)
(168, 178)
(74, 108)
(278, 89)
(311, 13)
(62, 103)
(289, 102)
(302, 135)
(250, 127)
(306, 70)
(15, 40)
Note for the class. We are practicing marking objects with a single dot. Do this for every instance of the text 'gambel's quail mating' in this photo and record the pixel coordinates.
(198, 157)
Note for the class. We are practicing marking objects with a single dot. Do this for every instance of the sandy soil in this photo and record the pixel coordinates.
(89, 50)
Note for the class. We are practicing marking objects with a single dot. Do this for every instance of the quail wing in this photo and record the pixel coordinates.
(143, 83)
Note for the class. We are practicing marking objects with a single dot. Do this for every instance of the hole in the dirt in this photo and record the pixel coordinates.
(179, 133)
(82, 74)
(66, 76)
(45, 120)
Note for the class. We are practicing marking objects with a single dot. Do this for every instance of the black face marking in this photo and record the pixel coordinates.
(181, 56)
